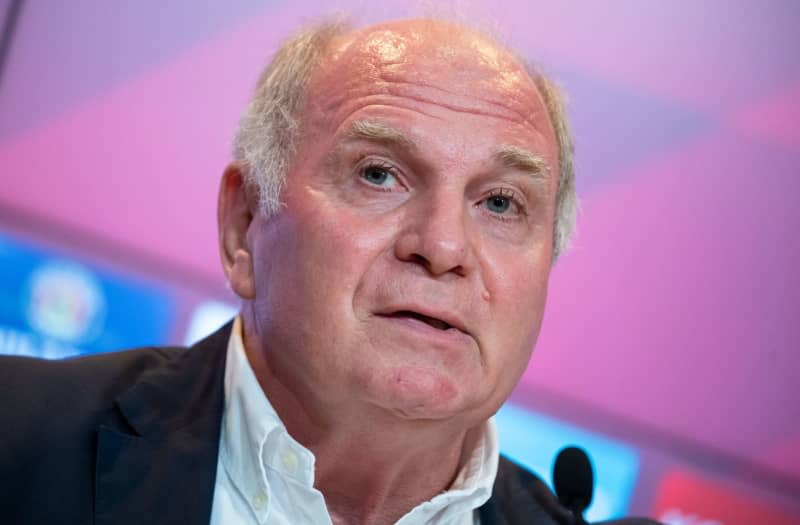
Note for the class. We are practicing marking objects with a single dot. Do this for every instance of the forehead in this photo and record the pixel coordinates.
(439, 70)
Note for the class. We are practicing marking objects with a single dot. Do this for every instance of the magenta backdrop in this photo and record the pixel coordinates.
(678, 307)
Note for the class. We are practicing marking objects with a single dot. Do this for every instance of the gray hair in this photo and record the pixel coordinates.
(269, 131)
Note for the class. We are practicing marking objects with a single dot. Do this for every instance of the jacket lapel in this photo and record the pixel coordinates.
(157, 452)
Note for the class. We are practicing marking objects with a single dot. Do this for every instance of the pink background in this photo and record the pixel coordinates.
(677, 312)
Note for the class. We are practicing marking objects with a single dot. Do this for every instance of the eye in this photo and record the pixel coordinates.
(502, 202)
(379, 175)
(498, 204)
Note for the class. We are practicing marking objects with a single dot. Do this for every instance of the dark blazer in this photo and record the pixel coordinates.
(132, 438)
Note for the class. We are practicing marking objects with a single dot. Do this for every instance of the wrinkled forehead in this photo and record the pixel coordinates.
(457, 60)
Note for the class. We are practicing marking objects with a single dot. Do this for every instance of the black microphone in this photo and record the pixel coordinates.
(573, 480)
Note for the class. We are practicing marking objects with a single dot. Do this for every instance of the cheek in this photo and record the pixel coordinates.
(331, 250)
(517, 287)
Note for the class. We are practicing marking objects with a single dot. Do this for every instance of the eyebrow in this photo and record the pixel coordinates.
(370, 131)
(379, 132)
(517, 158)
(512, 157)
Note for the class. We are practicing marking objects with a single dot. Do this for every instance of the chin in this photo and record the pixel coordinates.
(421, 393)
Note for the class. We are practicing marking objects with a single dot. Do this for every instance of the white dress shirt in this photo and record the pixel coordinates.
(264, 476)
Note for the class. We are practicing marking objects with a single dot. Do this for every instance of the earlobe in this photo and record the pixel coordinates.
(240, 275)
(234, 218)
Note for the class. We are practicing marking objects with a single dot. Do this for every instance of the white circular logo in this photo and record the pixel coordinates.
(65, 302)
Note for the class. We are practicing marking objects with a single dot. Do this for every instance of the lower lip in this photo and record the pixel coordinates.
(422, 329)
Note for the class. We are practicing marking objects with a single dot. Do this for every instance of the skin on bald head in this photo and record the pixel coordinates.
(443, 42)
(417, 50)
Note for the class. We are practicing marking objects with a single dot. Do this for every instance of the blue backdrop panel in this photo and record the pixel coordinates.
(53, 305)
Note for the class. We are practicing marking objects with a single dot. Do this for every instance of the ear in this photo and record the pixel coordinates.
(235, 210)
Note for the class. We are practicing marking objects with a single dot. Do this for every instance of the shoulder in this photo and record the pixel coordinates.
(63, 395)
(33, 384)
(44, 399)
(53, 412)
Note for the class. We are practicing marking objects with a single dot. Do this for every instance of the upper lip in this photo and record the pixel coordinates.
(444, 316)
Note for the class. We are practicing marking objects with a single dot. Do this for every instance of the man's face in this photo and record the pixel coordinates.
(408, 269)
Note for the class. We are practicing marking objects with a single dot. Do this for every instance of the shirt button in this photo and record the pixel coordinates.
(289, 460)
(259, 500)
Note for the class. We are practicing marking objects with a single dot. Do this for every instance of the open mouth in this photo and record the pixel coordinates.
(430, 321)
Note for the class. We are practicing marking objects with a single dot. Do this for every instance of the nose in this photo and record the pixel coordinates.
(436, 236)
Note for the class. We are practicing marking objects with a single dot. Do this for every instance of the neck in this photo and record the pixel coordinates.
(373, 478)
(371, 466)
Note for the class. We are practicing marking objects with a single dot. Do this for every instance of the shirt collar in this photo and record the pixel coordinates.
(254, 439)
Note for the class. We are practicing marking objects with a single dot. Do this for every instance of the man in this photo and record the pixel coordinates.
(398, 196)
